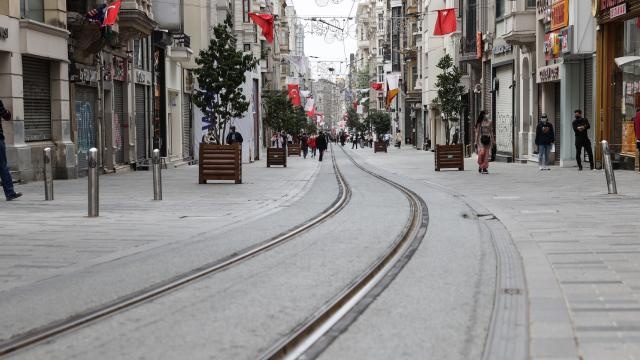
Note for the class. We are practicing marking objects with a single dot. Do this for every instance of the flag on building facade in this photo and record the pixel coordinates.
(309, 105)
(294, 94)
(446, 22)
(111, 13)
(377, 86)
(392, 88)
(265, 22)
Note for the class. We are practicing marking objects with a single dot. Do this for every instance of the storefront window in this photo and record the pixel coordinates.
(32, 9)
(629, 97)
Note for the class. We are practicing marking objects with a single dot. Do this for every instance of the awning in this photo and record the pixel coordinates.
(627, 60)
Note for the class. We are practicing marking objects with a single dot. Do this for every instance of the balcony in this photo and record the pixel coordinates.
(180, 48)
(135, 19)
(520, 27)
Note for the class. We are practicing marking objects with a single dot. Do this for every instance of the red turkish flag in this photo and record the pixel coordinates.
(294, 94)
(265, 21)
(111, 13)
(376, 86)
(446, 23)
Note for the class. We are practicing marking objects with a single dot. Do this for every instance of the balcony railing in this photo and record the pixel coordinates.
(181, 40)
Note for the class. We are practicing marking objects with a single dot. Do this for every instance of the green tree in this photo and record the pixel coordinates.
(281, 115)
(220, 74)
(363, 78)
(450, 91)
(353, 120)
(380, 122)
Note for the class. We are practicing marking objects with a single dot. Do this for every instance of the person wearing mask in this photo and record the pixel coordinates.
(484, 141)
(304, 144)
(5, 174)
(354, 140)
(321, 142)
(580, 126)
(234, 137)
(544, 139)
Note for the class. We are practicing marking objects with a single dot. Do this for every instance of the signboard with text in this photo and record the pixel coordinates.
(559, 14)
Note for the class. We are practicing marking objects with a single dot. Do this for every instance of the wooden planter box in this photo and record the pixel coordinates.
(294, 149)
(379, 146)
(276, 156)
(220, 162)
(449, 157)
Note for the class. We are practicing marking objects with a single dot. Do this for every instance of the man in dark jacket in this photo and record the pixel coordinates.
(544, 139)
(5, 174)
(234, 137)
(321, 143)
(580, 127)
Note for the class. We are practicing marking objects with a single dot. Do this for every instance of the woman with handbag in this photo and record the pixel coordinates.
(484, 141)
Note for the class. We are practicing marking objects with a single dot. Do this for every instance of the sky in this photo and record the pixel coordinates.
(327, 48)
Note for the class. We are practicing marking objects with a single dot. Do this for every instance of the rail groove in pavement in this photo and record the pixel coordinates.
(48, 332)
(312, 337)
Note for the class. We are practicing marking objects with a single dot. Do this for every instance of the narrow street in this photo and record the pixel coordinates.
(448, 301)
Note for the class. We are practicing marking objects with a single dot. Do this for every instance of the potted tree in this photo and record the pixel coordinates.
(450, 104)
(381, 124)
(278, 117)
(221, 74)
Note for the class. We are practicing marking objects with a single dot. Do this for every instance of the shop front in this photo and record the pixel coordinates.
(618, 76)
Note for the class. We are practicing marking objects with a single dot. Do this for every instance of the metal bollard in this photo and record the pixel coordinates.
(48, 175)
(157, 176)
(608, 168)
(94, 193)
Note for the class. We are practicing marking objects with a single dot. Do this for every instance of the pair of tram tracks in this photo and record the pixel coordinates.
(311, 337)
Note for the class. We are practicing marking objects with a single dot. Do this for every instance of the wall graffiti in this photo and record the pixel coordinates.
(504, 126)
(117, 132)
(86, 135)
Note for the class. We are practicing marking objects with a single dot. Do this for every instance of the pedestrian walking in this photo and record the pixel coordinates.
(5, 174)
(354, 140)
(484, 140)
(312, 145)
(636, 127)
(234, 137)
(398, 139)
(283, 139)
(304, 144)
(545, 138)
(321, 142)
(580, 126)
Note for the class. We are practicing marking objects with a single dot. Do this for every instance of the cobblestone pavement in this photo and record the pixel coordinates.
(42, 239)
(580, 247)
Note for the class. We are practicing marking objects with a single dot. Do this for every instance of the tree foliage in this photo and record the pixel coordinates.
(281, 115)
(380, 122)
(353, 120)
(220, 74)
(450, 91)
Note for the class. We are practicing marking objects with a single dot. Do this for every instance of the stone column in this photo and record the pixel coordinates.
(64, 152)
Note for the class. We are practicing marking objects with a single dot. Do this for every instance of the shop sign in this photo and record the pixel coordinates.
(142, 77)
(557, 43)
(479, 45)
(119, 69)
(549, 73)
(559, 14)
(107, 71)
(4, 32)
(616, 11)
(85, 75)
(502, 49)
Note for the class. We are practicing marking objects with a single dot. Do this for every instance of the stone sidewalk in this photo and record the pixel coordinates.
(42, 239)
(580, 247)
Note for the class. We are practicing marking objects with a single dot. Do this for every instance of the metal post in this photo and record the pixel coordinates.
(94, 193)
(157, 176)
(48, 175)
(608, 168)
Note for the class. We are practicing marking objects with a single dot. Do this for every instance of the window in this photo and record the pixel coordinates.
(531, 3)
(380, 22)
(32, 9)
(499, 8)
(380, 47)
(247, 47)
(246, 7)
(380, 73)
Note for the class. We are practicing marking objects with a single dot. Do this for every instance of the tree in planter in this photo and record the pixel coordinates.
(221, 73)
(381, 122)
(279, 112)
(353, 120)
(450, 92)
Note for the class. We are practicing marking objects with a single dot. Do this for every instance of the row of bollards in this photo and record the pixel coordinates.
(93, 179)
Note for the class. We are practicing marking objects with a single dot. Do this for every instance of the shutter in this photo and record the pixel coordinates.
(504, 110)
(85, 118)
(118, 120)
(487, 88)
(186, 126)
(556, 119)
(588, 90)
(141, 137)
(37, 99)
